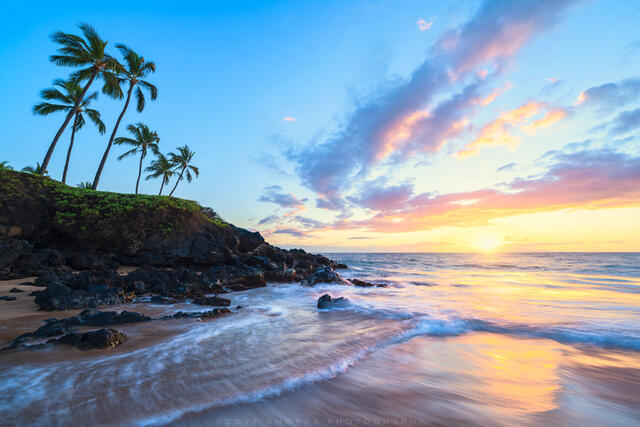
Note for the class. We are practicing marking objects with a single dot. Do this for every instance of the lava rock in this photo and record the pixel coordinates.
(363, 284)
(6, 298)
(212, 300)
(16, 290)
(324, 275)
(45, 279)
(325, 301)
(101, 338)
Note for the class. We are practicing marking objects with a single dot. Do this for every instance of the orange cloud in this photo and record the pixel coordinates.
(503, 130)
(496, 93)
(289, 119)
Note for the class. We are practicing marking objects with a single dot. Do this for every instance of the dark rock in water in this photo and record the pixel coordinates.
(106, 318)
(45, 279)
(340, 266)
(157, 299)
(212, 300)
(102, 338)
(325, 301)
(324, 275)
(5, 298)
(16, 290)
(363, 284)
(199, 315)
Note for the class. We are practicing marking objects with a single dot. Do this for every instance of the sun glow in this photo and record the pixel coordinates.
(488, 243)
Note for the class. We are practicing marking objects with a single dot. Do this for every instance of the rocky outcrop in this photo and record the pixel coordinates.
(326, 301)
(102, 338)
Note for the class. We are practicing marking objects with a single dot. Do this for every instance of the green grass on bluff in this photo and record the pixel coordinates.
(88, 213)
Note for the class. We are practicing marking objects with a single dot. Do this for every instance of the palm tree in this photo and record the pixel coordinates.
(134, 71)
(182, 162)
(68, 98)
(88, 52)
(161, 167)
(86, 185)
(37, 169)
(4, 165)
(144, 139)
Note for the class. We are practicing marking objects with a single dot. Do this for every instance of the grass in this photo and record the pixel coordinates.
(84, 211)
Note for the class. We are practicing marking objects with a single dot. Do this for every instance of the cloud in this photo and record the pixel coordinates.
(310, 222)
(378, 196)
(585, 179)
(503, 131)
(615, 94)
(291, 232)
(423, 25)
(403, 118)
(507, 167)
(274, 194)
(289, 119)
(269, 220)
(626, 121)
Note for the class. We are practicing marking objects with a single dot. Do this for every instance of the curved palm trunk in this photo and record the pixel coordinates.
(139, 173)
(177, 182)
(67, 119)
(161, 187)
(66, 163)
(96, 180)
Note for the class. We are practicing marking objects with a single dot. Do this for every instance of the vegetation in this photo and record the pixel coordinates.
(69, 100)
(134, 71)
(90, 54)
(86, 184)
(182, 162)
(161, 168)
(144, 139)
(86, 213)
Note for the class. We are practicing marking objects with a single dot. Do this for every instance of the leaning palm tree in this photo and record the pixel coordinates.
(144, 139)
(135, 69)
(37, 169)
(4, 165)
(161, 167)
(182, 163)
(68, 98)
(90, 53)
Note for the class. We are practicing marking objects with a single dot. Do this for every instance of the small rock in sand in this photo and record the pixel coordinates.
(5, 298)
(16, 290)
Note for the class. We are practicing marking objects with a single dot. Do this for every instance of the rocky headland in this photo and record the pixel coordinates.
(89, 249)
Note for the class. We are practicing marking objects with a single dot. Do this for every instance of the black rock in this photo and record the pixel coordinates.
(339, 266)
(324, 275)
(101, 338)
(212, 300)
(45, 279)
(325, 301)
(5, 298)
(363, 284)
(86, 261)
(16, 290)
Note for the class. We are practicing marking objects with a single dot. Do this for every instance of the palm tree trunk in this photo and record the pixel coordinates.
(177, 182)
(139, 173)
(96, 180)
(66, 163)
(67, 119)
(161, 187)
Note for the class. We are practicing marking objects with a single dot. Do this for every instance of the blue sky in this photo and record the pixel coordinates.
(229, 73)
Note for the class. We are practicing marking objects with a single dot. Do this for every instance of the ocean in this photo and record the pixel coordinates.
(455, 339)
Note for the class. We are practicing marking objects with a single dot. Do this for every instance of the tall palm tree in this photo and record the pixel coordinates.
(68, 96)
(144, 139)
(161, 167)
(90, 53)
(134, 70)
(37, 169)
(4, 165)
(182, 163)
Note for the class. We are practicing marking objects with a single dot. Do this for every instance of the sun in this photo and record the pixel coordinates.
(488, 243)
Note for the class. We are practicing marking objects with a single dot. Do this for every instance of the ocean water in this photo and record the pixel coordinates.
(455, 339)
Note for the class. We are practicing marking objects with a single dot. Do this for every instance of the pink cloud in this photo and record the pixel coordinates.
(423, 25)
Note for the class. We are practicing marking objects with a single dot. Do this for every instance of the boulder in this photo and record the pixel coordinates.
(363, 284)
(101, 338)
(325, 301)
(6, 298)
(45, 279)
(324, 275)
(213, 300)
(16, 290)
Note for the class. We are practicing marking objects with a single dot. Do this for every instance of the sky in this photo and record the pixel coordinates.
(393, 126)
